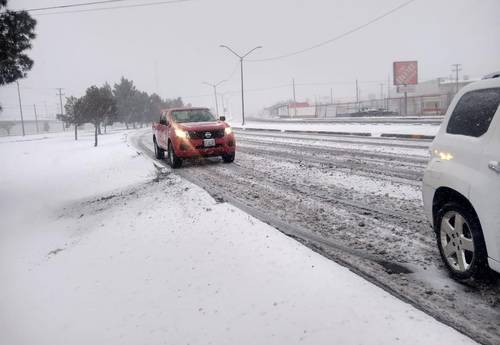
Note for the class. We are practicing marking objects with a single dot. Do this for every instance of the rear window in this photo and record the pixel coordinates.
(473, 113)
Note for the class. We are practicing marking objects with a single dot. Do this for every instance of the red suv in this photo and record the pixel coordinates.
(192, 132)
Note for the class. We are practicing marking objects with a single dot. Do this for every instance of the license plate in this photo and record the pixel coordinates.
(208, 142)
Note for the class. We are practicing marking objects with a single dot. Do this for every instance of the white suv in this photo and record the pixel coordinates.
(461, 186)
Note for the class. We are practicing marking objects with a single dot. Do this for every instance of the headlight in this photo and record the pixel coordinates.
(181, 134)
(446, 156)
(228, 130)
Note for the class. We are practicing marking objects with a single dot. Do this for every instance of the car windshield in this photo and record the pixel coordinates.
(193, 115)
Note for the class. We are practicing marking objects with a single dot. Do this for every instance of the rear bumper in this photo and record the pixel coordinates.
(494, 265)
(186, 148)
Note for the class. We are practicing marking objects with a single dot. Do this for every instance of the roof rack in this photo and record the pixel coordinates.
(492, 75)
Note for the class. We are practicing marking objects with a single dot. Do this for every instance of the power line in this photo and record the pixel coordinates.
(115, 7)
(338, 37)
(73, 5)
(231, 75)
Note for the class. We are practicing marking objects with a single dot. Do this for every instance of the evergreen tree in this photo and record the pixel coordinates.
(17, 30)
(125, 93)
(73, 115)
(97, 106)
(155, 106)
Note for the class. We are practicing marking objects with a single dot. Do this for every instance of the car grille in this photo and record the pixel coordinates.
(201, 147)
(219, 133)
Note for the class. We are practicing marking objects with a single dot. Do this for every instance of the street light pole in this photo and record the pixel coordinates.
(241, 57)
(215, 94)
(223, 105)
(242, 97)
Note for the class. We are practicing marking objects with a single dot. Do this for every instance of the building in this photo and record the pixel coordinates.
(291, 109)
(431, 97)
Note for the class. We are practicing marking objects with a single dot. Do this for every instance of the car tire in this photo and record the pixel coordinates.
(159, 152)
(174, 161)
(461, 242)
(229, 158)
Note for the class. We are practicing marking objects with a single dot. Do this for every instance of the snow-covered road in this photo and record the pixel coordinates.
(100, 246)
(362, 195)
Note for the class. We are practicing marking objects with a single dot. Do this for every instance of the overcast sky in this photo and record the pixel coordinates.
(76, 50)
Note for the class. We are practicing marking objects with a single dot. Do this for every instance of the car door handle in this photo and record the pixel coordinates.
(495, 166)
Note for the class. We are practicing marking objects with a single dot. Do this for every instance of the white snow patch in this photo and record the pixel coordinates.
(376, 129)
(163, 263)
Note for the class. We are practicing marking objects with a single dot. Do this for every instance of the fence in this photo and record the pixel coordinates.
(44, 126)
(435, 104)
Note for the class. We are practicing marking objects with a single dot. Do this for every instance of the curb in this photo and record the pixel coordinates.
(360, 134)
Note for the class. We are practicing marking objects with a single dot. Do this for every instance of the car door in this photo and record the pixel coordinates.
(485, 187)
(456, 151)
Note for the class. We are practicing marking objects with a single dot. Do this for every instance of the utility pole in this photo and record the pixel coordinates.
(241, 57)
(20, 107)
(331, 95)
(388, 90)
(456, 68)
(406, 100)
(36, 119)
(357, 96)
(215, 94)
(382, 94)
(60, 102)
(294, 99)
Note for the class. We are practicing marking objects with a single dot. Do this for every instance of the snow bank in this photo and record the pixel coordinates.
(375, 129)
(109, 254)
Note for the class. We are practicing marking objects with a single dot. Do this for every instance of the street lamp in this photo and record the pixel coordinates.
(215, 94)
(241, 57)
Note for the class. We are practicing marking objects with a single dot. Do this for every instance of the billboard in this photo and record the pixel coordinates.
(405, 72)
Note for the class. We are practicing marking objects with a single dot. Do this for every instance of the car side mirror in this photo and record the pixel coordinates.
(222, 118)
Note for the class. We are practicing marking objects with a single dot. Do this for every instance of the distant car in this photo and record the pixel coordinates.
(192, 132)
(461, 185)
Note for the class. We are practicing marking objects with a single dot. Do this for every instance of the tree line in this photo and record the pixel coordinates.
(124, 103)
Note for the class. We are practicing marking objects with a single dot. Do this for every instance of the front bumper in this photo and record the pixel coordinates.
(428, 197)
(185, 148)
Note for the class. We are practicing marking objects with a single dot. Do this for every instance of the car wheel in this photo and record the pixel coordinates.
(460, 241)
(174, 161)
(159, 152)
(228, 158)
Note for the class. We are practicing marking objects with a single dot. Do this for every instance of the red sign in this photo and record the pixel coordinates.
(405, 72)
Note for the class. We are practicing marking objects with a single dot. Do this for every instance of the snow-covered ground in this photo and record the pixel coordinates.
(99, 246)
(375, 129)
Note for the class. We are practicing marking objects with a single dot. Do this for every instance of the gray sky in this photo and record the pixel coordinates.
(76, 50)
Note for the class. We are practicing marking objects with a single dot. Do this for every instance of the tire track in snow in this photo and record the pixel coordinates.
(464, 308)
